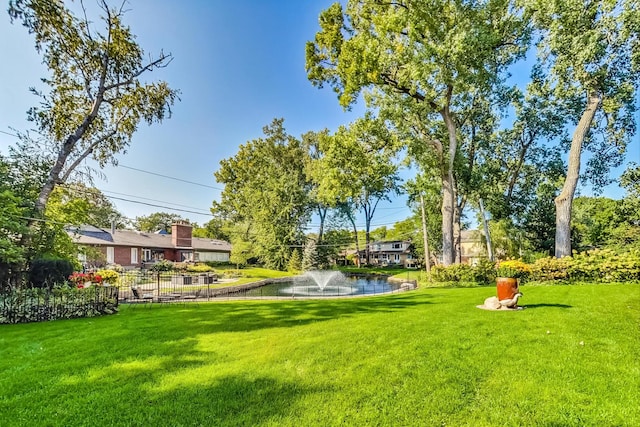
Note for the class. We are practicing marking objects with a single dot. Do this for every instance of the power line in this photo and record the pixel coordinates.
(159, 206)
(170, 177)
(152, 200)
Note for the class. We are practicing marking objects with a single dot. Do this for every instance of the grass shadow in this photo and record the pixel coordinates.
(543, 305)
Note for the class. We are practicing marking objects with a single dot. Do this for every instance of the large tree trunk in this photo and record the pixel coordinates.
(448, 190)
(355, 235)
(322, 213)
(564, 201)
(425, 236)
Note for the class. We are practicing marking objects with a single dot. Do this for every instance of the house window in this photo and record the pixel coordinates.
(384, 256)
(134, 255)
(396, 257)
(396, 245)
(146, 254)
(111, 256)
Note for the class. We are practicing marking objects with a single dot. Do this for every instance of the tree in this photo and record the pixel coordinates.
(77, 204)
(591, 54)
(310, 141)
(157, 221)
(593, 221)
(310, 256)
(216, 228)
(295, 262)
(413, 58)
(627, 234)
(357, 168)
(96, 98)
(265, 187)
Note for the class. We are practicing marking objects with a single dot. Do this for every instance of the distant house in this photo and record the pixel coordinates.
(391, 252)
(471, 247)
(134, 249)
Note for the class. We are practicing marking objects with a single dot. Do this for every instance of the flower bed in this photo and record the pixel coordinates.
(38, 305)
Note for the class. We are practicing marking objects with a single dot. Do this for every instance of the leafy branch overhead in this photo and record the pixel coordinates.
(96, 98)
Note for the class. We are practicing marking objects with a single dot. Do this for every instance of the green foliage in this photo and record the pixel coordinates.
(588, 62)
(199, 268)
(241, 251)
(265, 197)
(162, 265)
(295, 262)
(95, 96)
(47, 272)
(157, 221)
(11, 227)
(595, 265)
(457, 274)
(61, 302)
(412, 60)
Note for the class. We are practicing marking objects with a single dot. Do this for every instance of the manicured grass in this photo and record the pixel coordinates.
(422, 358)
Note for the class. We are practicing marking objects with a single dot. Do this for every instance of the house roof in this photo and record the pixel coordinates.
(89, 235)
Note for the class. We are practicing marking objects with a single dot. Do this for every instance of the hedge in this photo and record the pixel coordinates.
(37, 305)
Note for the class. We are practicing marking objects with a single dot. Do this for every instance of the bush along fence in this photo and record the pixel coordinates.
(22, 305)
(597, 265)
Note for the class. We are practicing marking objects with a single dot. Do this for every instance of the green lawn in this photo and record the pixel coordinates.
(422, 358)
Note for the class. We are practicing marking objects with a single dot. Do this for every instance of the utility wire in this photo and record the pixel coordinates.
(159, 206)
(170, 177)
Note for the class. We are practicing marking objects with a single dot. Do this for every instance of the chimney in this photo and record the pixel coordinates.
(181, 235)
(113, 228)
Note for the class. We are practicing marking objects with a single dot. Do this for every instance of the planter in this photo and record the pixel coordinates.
(507, 287)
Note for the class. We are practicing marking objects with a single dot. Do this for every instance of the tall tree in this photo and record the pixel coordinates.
(96, 98)
(311, 142)
(358, 168)
(12, 211)
(428, 58)
(265, 186)
(157, 221)
(591, 53)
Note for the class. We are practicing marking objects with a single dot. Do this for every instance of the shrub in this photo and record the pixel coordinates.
(459, 273)
(199, 268)
(46, 272)
(551, 268)
(60, 302)
(598, 265)
(162, 265)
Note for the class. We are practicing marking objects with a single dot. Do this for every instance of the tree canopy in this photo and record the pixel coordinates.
(95, 98)
(266, 190)
(422, 61)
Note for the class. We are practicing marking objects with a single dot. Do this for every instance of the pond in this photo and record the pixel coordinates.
(324, 284)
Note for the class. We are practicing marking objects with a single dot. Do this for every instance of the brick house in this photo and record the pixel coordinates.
(135, 249)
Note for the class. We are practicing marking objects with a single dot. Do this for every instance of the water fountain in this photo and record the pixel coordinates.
(323, 277)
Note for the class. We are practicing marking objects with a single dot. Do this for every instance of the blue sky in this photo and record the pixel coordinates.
(238, 65)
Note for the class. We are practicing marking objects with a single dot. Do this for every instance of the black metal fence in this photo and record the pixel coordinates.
(22, 305)
(167, 287)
